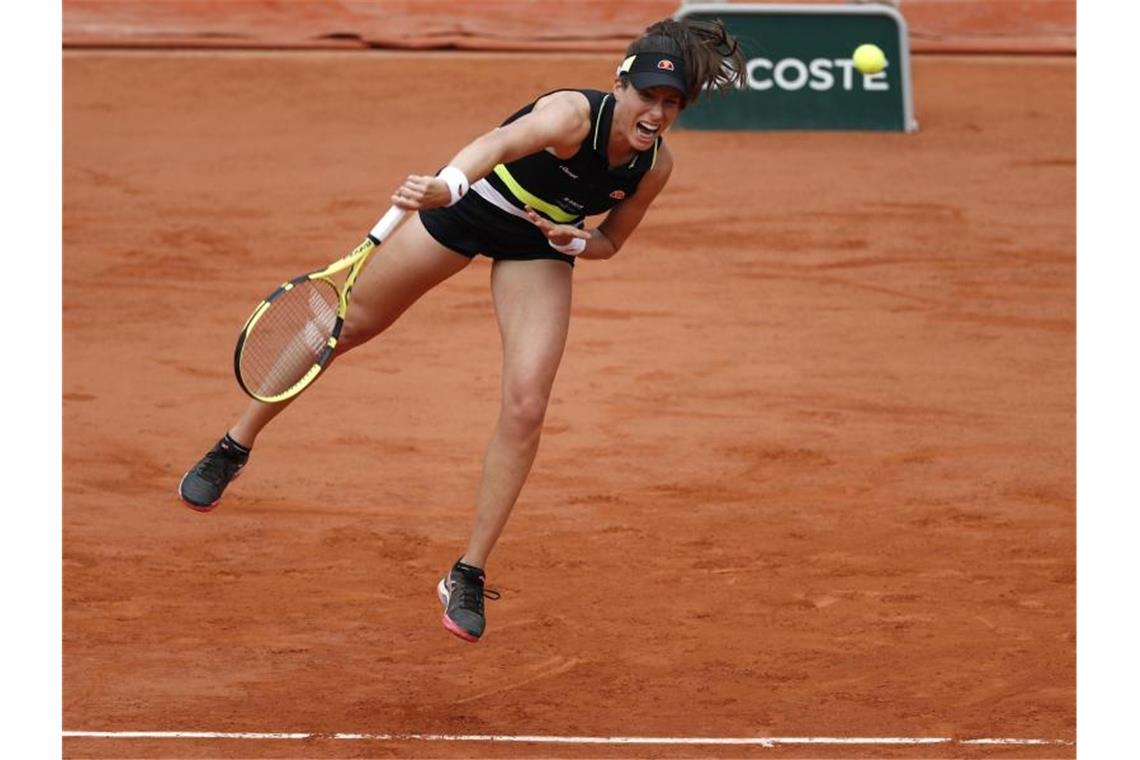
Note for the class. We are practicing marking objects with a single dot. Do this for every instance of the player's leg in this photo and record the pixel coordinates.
(407, 266)
(532, 304)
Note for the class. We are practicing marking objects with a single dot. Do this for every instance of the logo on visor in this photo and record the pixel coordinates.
(618, 195)
(666, 64)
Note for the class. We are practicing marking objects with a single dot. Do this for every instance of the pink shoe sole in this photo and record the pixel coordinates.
(208, 507)
(448, 623)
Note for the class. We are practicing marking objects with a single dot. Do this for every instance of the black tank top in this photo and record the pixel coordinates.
(567, 190)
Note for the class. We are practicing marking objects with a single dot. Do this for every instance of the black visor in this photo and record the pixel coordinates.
(646, 70)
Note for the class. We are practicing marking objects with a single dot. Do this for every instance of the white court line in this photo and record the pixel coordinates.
(1014, 741)
(761, 741)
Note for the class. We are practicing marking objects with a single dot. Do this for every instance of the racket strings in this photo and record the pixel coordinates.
(288, 338)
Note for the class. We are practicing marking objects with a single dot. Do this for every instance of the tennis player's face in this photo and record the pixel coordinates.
(645, 114)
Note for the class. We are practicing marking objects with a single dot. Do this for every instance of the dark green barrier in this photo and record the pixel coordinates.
(800, 74)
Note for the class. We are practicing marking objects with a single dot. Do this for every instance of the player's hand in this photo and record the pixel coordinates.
(559, 234)
(419, 192)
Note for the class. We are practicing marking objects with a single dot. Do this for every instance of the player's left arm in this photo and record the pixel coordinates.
(608, 237)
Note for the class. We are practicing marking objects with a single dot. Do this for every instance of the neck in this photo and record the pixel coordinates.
(618, 152)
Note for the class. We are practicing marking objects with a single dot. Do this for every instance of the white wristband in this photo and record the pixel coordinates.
(573, 248)
(456, 182)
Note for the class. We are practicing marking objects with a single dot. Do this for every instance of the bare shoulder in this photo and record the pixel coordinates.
(664, 163)
(571, 110)
(656, 177)
(569, 101)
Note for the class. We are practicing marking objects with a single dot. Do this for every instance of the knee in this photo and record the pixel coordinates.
(524, 408)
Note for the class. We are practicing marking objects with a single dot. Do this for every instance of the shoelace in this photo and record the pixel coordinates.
(217, 467)
(470, 594)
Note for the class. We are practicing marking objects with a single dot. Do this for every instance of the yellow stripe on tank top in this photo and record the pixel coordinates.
(520, 192)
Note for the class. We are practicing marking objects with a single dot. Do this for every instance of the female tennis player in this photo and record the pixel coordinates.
(519, 194)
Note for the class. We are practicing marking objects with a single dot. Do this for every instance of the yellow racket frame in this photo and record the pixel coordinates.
(354, 262)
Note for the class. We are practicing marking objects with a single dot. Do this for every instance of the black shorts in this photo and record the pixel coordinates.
(474, 226)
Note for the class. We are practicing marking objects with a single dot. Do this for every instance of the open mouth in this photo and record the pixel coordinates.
(647, 131)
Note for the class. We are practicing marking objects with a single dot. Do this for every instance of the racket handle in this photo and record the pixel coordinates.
(387, 223)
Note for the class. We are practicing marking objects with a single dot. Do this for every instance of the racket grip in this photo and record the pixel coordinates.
(387, 223)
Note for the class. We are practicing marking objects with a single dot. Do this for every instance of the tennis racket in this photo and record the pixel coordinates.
(292, 334)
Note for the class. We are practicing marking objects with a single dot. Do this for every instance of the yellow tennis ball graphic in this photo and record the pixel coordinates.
(869, 59)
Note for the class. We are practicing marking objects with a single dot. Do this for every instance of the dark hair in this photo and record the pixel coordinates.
(713, 58)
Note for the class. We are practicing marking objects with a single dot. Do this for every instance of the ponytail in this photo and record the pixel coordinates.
(712, 56)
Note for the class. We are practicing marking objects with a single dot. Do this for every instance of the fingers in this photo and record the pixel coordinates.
(418, 191)
(538, 221)
(410, 193)
(559, 233)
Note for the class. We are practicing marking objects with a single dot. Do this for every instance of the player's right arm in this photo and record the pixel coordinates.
(559, 121)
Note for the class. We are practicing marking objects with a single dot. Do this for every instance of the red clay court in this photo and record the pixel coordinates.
(809, 470)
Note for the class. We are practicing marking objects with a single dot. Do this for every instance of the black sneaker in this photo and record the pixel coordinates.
(202, 486)
(461, 593)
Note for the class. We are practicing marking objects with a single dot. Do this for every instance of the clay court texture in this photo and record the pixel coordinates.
(807, 482)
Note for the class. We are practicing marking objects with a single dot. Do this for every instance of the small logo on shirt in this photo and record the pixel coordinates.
(567, 172)
(618, 194)
(665, 64)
